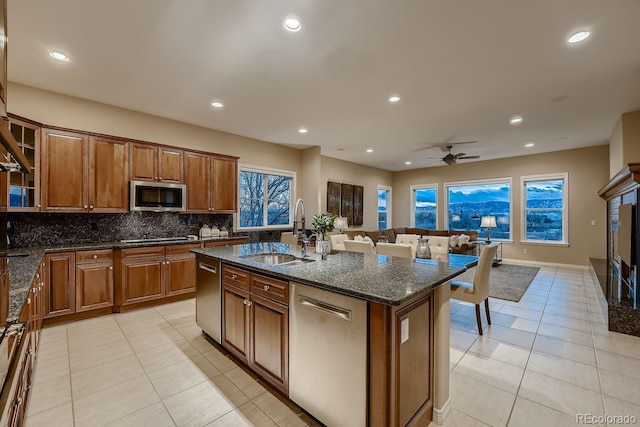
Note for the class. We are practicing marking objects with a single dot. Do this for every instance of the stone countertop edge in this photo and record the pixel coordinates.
(388, 280)
(22, 269)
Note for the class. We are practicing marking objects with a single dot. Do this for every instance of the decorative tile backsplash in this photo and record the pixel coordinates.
(45, 229)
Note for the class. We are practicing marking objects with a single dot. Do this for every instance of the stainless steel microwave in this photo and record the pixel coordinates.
(157, 196)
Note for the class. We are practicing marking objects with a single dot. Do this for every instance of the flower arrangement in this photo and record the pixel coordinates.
(323, 224)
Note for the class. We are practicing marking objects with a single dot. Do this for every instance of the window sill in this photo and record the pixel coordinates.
(267, 228)
(539, 243)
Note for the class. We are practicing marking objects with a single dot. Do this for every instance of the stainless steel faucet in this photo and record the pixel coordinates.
(305, 240)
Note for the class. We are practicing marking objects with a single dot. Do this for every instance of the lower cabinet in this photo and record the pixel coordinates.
(180, 269)
(60, 279)
(255, 322)
(94, 280)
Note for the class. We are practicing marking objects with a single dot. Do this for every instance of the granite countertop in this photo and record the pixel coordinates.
(379, 278)
(22, 269)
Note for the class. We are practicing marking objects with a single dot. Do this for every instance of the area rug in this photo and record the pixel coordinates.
(507, 281)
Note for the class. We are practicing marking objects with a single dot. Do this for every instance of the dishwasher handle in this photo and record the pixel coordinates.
(209, 268)
(331, 309)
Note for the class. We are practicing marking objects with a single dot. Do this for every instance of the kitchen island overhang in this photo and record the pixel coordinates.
(407, 354)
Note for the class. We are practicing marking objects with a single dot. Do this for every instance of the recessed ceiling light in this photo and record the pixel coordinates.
(303, 130)
(217, 104)
(292, 24)
(58, 56)
(369, 150)
(516, 120)
(407, 163)
(578, 37)
(394, 99)
(529, 144)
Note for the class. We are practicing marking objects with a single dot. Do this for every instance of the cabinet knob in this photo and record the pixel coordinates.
(234, 276)
(37, 275)
(245, 302)
(28, 300)
(160, 178)
(86, 207)
(248, 303)
(111, 267)
(39, 206)
(156, 178)
(168, 262)
(266, 287)
(95, 256)
(90, 206)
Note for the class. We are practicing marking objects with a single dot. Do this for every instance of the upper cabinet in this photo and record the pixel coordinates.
(156, 163)
(24, 189)
(212, 183)
(82, 174)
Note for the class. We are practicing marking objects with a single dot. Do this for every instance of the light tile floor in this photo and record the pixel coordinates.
(544, 360)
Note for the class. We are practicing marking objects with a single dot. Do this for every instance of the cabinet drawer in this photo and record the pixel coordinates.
(143, 252)
(182, 249)
(236, 277)
(98, 255)
(228, 242)
(274, 289)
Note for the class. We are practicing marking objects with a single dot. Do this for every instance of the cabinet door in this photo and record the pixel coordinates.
(181, 274)
(224, 185)
(60, 284)
(64, 172)
(144, 162)
(269, 341)
(94, 286)
(235, 321)
(198, 181)
(143, 280)
(170, 165)
(24, 189)
(108, 175)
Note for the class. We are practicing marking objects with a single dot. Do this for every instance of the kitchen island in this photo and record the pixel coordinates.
(354, 340)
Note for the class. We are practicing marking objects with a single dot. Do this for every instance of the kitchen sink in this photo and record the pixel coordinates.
(277, 259)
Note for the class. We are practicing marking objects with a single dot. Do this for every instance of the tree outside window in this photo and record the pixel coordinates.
(265, 199)
(468, 202)
(545, 208)
(425, 206)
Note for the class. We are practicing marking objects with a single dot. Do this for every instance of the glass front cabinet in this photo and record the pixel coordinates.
(24, 189)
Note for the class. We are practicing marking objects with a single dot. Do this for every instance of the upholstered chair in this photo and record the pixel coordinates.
(356, 246)
(337, 241)
(439, 247)
(394, 249)
(408, 239)
(477, 291)
(288, 237)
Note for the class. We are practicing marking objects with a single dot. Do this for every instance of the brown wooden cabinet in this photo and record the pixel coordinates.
(156, 163)
(82, 174)
(108, 175)
(65, 171)
(60, 289)
(228, 242)
(94, 279)
(212, 183)
(141, 275)
(180, 274)
(255, 323)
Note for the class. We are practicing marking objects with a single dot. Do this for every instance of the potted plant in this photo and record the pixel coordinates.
(322, 224)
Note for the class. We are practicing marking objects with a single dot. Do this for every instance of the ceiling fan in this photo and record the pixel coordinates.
(452, 159)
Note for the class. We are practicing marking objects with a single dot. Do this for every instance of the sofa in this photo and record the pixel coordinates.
(391, 233)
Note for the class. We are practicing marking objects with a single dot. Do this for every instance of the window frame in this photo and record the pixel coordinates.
(565, 208)
(266, 171)
(388, 205)
(503, 180)
(412, 189)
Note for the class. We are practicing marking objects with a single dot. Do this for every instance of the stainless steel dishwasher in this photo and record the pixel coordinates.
(208, 296)
(328, 355)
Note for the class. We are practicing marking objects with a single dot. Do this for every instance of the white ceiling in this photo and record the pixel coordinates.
(461, 67)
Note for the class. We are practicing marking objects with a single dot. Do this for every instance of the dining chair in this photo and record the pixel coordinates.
(477, 291)
(337, 241)
(408, 239)
(356, 246)
(288, 237)
(439, 248)
(394, 249)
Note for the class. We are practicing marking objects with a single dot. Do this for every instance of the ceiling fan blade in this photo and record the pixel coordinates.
(434, 162)
(457, 156)
(427, 147)
(469, 157)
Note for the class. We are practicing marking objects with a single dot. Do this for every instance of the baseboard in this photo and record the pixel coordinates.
(543, 264)
(440, 415)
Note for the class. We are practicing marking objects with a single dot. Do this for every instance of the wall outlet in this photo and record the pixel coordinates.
(525, 250)
(404, 330)
(593, 222)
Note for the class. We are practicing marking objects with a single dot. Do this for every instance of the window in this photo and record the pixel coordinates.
(265, 198)
(545, 208)
(384, 207)
(468, 202)
(424, 206)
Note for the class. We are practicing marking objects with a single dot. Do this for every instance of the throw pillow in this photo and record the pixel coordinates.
(453, 240)
(463, 239)
(358, 238)
(368, 239)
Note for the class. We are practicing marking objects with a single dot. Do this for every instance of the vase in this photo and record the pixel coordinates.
(322, 246)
